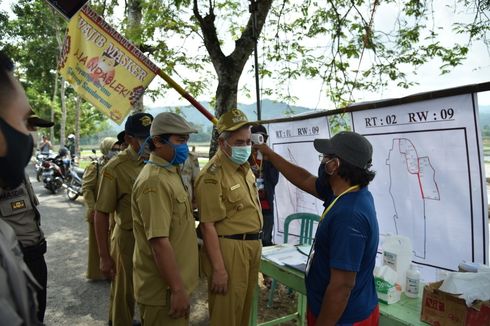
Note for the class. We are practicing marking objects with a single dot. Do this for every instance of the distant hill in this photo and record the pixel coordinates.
(270, 110)
(484, 115)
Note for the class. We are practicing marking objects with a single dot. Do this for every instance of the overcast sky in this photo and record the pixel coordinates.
(476, 69)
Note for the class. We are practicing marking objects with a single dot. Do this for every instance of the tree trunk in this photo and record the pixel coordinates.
(53, 101)
(229, 68)
(133, 33)
(63, 112)
(77, 126)
(59, 40)
(226, 99)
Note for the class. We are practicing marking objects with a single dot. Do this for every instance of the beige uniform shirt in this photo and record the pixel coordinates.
(161, 208)
(227, 195)
(118, 177)
(89, 184)
(189, 172)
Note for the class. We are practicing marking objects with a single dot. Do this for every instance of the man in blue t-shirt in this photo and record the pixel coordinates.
(339, 278)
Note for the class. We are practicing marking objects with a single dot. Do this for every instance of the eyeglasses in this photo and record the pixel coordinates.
(322, 157)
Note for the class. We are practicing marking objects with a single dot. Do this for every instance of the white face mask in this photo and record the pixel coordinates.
(240, 154)
(111, 154)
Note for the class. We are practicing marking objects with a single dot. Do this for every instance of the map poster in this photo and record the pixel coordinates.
(430, 179)
(430, 183)
(293, 140)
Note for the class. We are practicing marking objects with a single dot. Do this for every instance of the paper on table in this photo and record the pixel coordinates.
(285, 254)
(469, 286)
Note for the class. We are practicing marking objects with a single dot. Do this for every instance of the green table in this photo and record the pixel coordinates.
(404, 312)
(293, 279)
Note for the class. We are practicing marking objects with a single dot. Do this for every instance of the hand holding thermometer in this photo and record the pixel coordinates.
(258, 139)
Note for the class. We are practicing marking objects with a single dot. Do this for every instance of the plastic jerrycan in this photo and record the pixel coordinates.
(397, 254)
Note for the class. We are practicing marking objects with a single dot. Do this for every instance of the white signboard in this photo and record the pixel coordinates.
(430, 180)
(294, 141)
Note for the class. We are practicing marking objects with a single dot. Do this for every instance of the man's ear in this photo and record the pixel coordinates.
(156, 142)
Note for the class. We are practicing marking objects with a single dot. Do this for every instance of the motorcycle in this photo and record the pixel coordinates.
(40, 158)
(73, 183)
(53, 174)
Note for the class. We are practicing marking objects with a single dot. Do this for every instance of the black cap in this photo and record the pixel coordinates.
(35, 121)
(349, 146)
(258, 129)
(138, 125)
(120, 137)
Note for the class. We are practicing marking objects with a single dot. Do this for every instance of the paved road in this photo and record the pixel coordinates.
(72, 300)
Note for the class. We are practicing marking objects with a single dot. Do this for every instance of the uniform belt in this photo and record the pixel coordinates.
(35, 250)
(243, 236)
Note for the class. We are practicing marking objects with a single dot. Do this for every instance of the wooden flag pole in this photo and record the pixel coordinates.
(188, 97)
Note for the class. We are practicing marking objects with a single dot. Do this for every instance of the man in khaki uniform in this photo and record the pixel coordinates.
(189, 172)
(109, 147)
(115, 189)
(231, 223)
(166, 254)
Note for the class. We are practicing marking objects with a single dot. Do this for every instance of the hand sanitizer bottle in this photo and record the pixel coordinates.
(413, 282)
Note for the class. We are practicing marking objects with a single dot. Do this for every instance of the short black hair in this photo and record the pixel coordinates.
(355, 175)
(163, 137)
(6, 83)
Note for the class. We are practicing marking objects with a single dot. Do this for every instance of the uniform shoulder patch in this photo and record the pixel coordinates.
(108, 175)
(213, 168)
(117, 160)
(149, 190)
(211, 181)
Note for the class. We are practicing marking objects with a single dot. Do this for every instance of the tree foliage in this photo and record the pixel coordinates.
(363, 45)
(29, 38)
(349, 46)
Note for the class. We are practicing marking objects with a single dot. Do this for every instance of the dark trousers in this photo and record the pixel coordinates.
(34, 259)
(268, 215)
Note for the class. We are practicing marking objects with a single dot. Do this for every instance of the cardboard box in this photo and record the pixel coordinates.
(444, 309)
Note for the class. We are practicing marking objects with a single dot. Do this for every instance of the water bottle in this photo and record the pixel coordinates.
(397, 253)
(413, 282)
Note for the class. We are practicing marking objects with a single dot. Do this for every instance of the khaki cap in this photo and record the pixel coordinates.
(232, 120)
(106, 144)
(170, 123)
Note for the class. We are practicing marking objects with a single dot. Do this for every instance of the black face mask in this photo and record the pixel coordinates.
(322, 174)
(19, 151)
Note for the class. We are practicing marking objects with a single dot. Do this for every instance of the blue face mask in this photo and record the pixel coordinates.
(181, 152)
(240, 154)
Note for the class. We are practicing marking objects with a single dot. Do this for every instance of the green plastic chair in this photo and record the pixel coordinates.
(308, 221)
(306, 236)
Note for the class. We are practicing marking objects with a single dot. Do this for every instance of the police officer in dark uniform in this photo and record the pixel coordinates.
(18, 202)
(18, 209)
